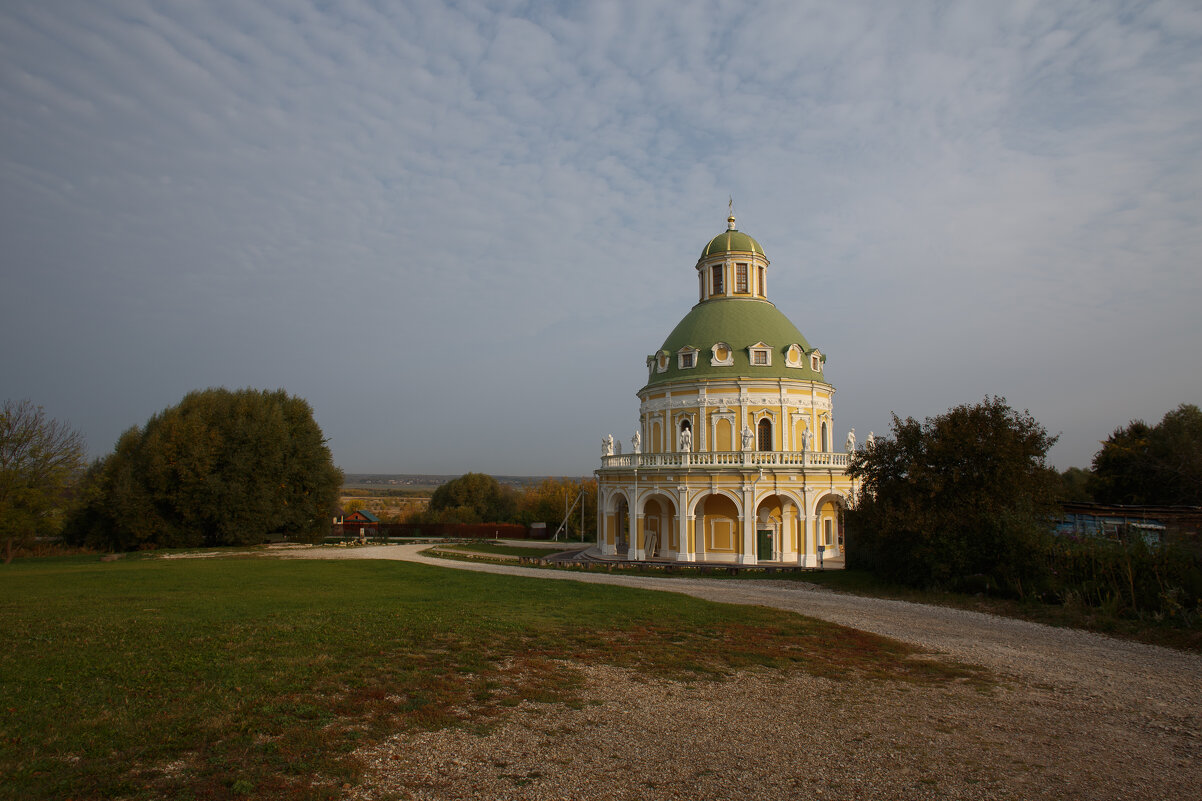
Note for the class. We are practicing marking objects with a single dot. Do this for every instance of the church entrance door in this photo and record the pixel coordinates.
(763, 546)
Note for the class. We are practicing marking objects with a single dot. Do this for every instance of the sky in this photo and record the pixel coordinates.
(458, 229)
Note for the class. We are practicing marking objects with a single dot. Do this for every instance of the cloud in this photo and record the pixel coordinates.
(459, 228)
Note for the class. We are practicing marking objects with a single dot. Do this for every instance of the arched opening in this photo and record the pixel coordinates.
(770, 531)
(825, 443)
(765, 435)
(621, 526)
(828, 525)
(717, 529)
(660, 527)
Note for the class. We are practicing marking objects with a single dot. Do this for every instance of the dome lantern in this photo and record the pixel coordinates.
(732, 265)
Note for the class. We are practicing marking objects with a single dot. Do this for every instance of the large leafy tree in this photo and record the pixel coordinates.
(221, 468)
(958, 500)
(40, 459)
(472, 498)
(1160, 464)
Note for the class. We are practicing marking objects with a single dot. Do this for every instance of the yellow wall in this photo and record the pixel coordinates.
(721, 525)
(725, 439)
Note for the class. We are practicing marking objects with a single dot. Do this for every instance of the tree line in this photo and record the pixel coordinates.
(965, 501)
(480, 498)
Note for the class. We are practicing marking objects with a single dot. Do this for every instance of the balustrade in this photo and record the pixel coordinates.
(800, 459)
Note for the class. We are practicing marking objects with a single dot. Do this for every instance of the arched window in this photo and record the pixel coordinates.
(765, 435)
(825, 445)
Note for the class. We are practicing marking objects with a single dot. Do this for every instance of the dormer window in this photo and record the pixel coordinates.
(722, 355)
(760, 355)
(661, 362)
(816, 362)
(793, 356)
(686, 358)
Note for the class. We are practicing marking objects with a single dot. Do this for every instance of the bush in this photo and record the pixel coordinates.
(1127, 577)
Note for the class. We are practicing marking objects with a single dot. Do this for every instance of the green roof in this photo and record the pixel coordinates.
(740, 323)
(732, 241)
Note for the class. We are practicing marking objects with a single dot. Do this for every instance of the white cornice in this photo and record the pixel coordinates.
(729, 400)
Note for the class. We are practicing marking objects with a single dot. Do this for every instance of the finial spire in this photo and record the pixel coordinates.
(730, 221)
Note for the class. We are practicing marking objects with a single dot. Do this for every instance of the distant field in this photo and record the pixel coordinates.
(150, 678)
(425, 482)
(394, 506)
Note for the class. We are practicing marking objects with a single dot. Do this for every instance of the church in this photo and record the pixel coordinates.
(732, 459)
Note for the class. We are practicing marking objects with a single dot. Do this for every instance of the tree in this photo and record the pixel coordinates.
(1074, 485)
(1160, 464)
(221, 468)
(40, 459)
(959, 500)
(472, 498)
(547, 501)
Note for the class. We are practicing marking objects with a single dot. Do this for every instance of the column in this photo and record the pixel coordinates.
(633, 538)
(603, 521)
(747, 524)
(788, 531)
(685, 552)
(810, 557)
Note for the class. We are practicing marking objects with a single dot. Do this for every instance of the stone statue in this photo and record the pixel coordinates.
(805, 440)
(607, 445)
(870, 442)
(636, 442)
(748, 436)
(850, 445)
(617, 447)
(686, 440)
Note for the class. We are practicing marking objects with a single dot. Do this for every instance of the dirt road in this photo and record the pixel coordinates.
(1079, 715)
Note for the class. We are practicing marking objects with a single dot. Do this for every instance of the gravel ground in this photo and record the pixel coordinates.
(1076, 715)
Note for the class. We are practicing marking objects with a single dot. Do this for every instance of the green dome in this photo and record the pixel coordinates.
(731, 241)
(739, 323)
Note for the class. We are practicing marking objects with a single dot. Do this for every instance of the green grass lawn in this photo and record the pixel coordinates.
(233, 677)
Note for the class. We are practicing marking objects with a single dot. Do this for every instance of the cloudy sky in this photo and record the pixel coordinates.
(458, 229)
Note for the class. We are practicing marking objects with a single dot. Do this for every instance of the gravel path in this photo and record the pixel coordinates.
(1078, 715)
